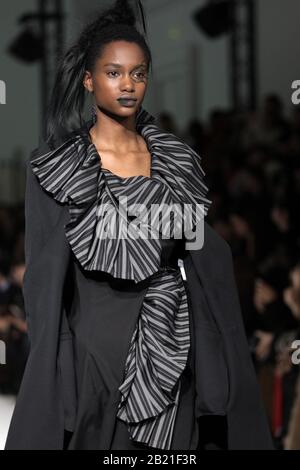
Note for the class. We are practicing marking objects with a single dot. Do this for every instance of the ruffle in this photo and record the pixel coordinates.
(97, 199)
(156, 359)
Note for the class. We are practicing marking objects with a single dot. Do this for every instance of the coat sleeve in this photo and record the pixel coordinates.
(248, 428)
(43, 399)
(41, 216)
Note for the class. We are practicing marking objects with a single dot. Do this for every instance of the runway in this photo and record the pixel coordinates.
(7, 404)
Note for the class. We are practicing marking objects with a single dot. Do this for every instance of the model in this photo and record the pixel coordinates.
(137, 341)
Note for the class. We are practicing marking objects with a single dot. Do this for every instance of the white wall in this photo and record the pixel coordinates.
(19, 116)
(279, 47)
(181, 50)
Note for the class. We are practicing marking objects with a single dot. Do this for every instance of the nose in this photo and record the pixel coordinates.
(127, 83)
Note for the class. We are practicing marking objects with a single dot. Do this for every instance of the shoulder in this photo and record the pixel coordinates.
(44, 146)
(171, 138)
(32, 179)
(37, 199)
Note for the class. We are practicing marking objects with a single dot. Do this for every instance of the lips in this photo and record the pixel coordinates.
(127, 102)
(126, 98)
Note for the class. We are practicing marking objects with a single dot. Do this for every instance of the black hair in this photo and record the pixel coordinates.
(65, 110)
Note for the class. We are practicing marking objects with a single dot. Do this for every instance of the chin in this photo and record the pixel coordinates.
(127, 111)
(119, 111)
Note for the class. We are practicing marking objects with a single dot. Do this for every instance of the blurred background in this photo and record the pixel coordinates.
(225, 79)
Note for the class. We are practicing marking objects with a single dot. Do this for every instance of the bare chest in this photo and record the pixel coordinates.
(129, 164)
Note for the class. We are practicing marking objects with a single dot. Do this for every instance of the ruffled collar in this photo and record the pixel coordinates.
(73, 175)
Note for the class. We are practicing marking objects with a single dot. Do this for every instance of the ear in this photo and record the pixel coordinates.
(88, 81)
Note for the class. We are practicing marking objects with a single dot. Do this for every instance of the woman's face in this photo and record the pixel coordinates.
(120, 71)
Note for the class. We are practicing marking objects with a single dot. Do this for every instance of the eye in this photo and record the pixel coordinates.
(141, 74)
(111, 72)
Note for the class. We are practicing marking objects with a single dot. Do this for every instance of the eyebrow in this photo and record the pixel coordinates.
(119, 65)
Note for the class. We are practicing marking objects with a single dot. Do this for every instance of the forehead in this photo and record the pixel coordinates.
(124, 53)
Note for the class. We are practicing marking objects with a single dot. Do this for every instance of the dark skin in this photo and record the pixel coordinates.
(121, 149)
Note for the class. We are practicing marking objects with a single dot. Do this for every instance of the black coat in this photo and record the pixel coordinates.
(226, 374)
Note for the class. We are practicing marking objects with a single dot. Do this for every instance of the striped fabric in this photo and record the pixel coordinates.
(157, 356)
(72, 173)
(97, 200)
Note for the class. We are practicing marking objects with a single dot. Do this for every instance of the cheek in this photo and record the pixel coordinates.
(106, 88)
(141, 87)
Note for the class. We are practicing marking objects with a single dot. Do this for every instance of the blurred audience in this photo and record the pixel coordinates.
(13, 326)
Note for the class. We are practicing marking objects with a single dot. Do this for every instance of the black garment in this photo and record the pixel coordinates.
(224, 376)
(100, 351)
(103, 316)
(115, 230)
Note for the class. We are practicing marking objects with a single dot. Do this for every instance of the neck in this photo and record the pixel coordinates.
(113, 132)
